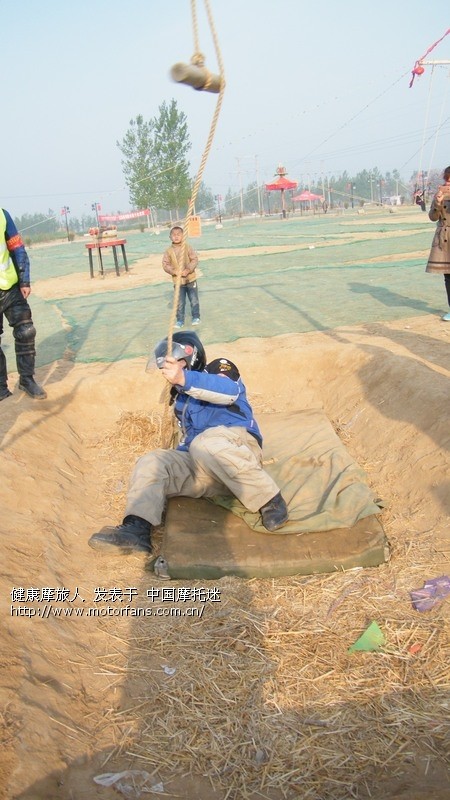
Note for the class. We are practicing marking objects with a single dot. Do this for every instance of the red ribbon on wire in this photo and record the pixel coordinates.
(418, 65)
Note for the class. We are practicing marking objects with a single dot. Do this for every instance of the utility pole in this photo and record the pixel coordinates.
(323, 182)
(371, 187)
(218, 198)
(424, 178)
(96, 207)
(64, 212)
(257, 186)
(240, 184)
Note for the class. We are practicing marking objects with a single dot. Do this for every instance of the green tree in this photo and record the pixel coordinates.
(251, 203)
(232, 202)
(170, 148)
(396, 179)
(38, 226)
(137, 148)
(155, 161)
(362, 185)
(205, 199)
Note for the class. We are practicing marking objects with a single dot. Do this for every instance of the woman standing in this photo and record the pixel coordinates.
(439, 258)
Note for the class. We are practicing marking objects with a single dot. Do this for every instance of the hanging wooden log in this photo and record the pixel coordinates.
(199, 78)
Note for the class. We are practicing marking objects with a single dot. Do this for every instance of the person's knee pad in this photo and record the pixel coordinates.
(25, 333)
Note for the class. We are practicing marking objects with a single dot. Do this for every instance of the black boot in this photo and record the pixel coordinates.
(4, 391)
(134, 535)
(29, 385)
(25, 368)
(274, 514)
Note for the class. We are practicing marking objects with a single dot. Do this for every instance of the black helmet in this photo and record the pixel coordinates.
(185, 346)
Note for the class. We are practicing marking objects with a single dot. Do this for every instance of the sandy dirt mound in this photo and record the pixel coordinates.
(83, 695)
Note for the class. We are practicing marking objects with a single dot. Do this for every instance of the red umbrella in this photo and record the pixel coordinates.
(281, 184)
(305, 195)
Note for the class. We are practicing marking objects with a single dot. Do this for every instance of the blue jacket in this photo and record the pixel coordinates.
(206, 401)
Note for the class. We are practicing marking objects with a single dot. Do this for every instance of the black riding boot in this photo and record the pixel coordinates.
(274, 514)
(25, 368)
(134, 535)
(4, 391)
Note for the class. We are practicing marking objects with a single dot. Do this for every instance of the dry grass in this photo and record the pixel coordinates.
(133, 435)
(265, 697)
(265, 700)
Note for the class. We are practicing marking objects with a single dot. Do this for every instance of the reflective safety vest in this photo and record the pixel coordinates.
(8, 274)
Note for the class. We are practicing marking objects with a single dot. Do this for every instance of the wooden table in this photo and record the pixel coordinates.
(100, 245)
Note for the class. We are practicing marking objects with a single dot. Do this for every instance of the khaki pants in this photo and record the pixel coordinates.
(220, 460)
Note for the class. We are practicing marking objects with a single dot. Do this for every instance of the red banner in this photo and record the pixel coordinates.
(118, 217)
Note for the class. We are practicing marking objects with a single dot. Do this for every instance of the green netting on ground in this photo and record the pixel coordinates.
(109, 327)
(271, 232)
(257, 295)
(331, 255)
(71, 257)
(51, 334)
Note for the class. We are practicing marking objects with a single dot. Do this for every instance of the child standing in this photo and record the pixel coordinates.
(171, 263)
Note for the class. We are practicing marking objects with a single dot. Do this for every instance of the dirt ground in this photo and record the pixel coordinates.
(74, 696)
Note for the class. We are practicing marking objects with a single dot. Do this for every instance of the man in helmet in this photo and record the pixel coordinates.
(220, 450)
(14, 292)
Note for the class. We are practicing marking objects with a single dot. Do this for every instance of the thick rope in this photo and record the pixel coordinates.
(422, 58)
(167, 432)
(444, 100)
(195, 27)
(425, 128)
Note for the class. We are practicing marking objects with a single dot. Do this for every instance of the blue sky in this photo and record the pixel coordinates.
(321, 87)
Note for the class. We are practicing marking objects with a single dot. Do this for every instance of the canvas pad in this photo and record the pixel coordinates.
(332, 511)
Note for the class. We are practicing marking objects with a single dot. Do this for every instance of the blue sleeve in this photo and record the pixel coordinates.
(19, 255)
